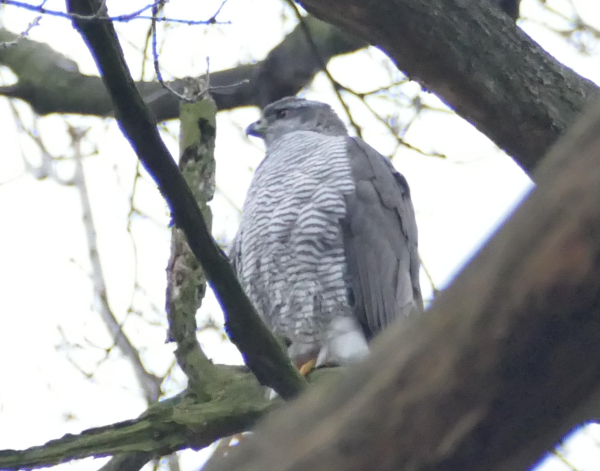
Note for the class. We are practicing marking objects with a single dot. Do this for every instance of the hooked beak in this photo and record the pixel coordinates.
(257, 128)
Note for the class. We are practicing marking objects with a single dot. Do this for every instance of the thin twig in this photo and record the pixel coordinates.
(434, 289)
(334, 83)
(563, 459)
(393, 131)
(149, 383)
(136, 15)
(34, 23)
(155, 9)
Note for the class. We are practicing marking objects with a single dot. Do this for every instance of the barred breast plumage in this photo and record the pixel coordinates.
(290, 234)
(326, 247)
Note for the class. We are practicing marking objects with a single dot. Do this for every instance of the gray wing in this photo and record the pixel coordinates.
(380, 241)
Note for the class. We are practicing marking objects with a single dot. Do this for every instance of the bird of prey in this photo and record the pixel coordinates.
(327, 244)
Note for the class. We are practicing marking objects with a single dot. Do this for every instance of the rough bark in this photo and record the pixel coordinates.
(502, 366)
(475, 59)
(52, 83)
(186, 282)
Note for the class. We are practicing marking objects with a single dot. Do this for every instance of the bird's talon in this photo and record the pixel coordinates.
(307, 367)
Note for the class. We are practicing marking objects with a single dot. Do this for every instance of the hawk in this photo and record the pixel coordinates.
(327, 244)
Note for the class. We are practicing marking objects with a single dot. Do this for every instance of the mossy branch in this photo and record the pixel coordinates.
(184, 421)
(180, 422)
(186, 282)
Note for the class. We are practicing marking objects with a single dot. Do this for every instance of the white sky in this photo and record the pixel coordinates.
(46, 297)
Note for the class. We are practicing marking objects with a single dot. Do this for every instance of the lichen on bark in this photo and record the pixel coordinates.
(186, 281)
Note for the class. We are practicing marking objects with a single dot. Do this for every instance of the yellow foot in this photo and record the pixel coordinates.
(307, 367)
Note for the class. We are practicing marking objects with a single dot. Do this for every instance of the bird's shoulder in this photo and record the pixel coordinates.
(368, 166)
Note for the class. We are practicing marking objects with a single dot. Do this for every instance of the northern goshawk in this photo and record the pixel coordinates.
(327, 245)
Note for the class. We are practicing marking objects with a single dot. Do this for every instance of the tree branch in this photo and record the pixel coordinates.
(262, 352)
(503, 365)
(493, 75)
(180, 422)
(166, 426)
(51, 83)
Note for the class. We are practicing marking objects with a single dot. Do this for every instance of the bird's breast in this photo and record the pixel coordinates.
(292, 246)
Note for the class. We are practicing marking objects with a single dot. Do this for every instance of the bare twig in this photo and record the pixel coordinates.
(563, 459)
(156, 7)
(149, 383)
(24, 33)
(394, 131)
(429, 278)
(260, 83)
(323, 65)
(97, 16)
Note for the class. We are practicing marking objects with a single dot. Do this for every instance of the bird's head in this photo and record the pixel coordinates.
(292, 114)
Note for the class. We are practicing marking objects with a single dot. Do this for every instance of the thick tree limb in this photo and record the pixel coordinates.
(262, 352)
(475, 59)
(502, 366)
(181, 422)
(51, 83)
(167, 426)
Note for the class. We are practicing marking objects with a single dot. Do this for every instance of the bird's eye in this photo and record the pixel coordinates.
(282, 113)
